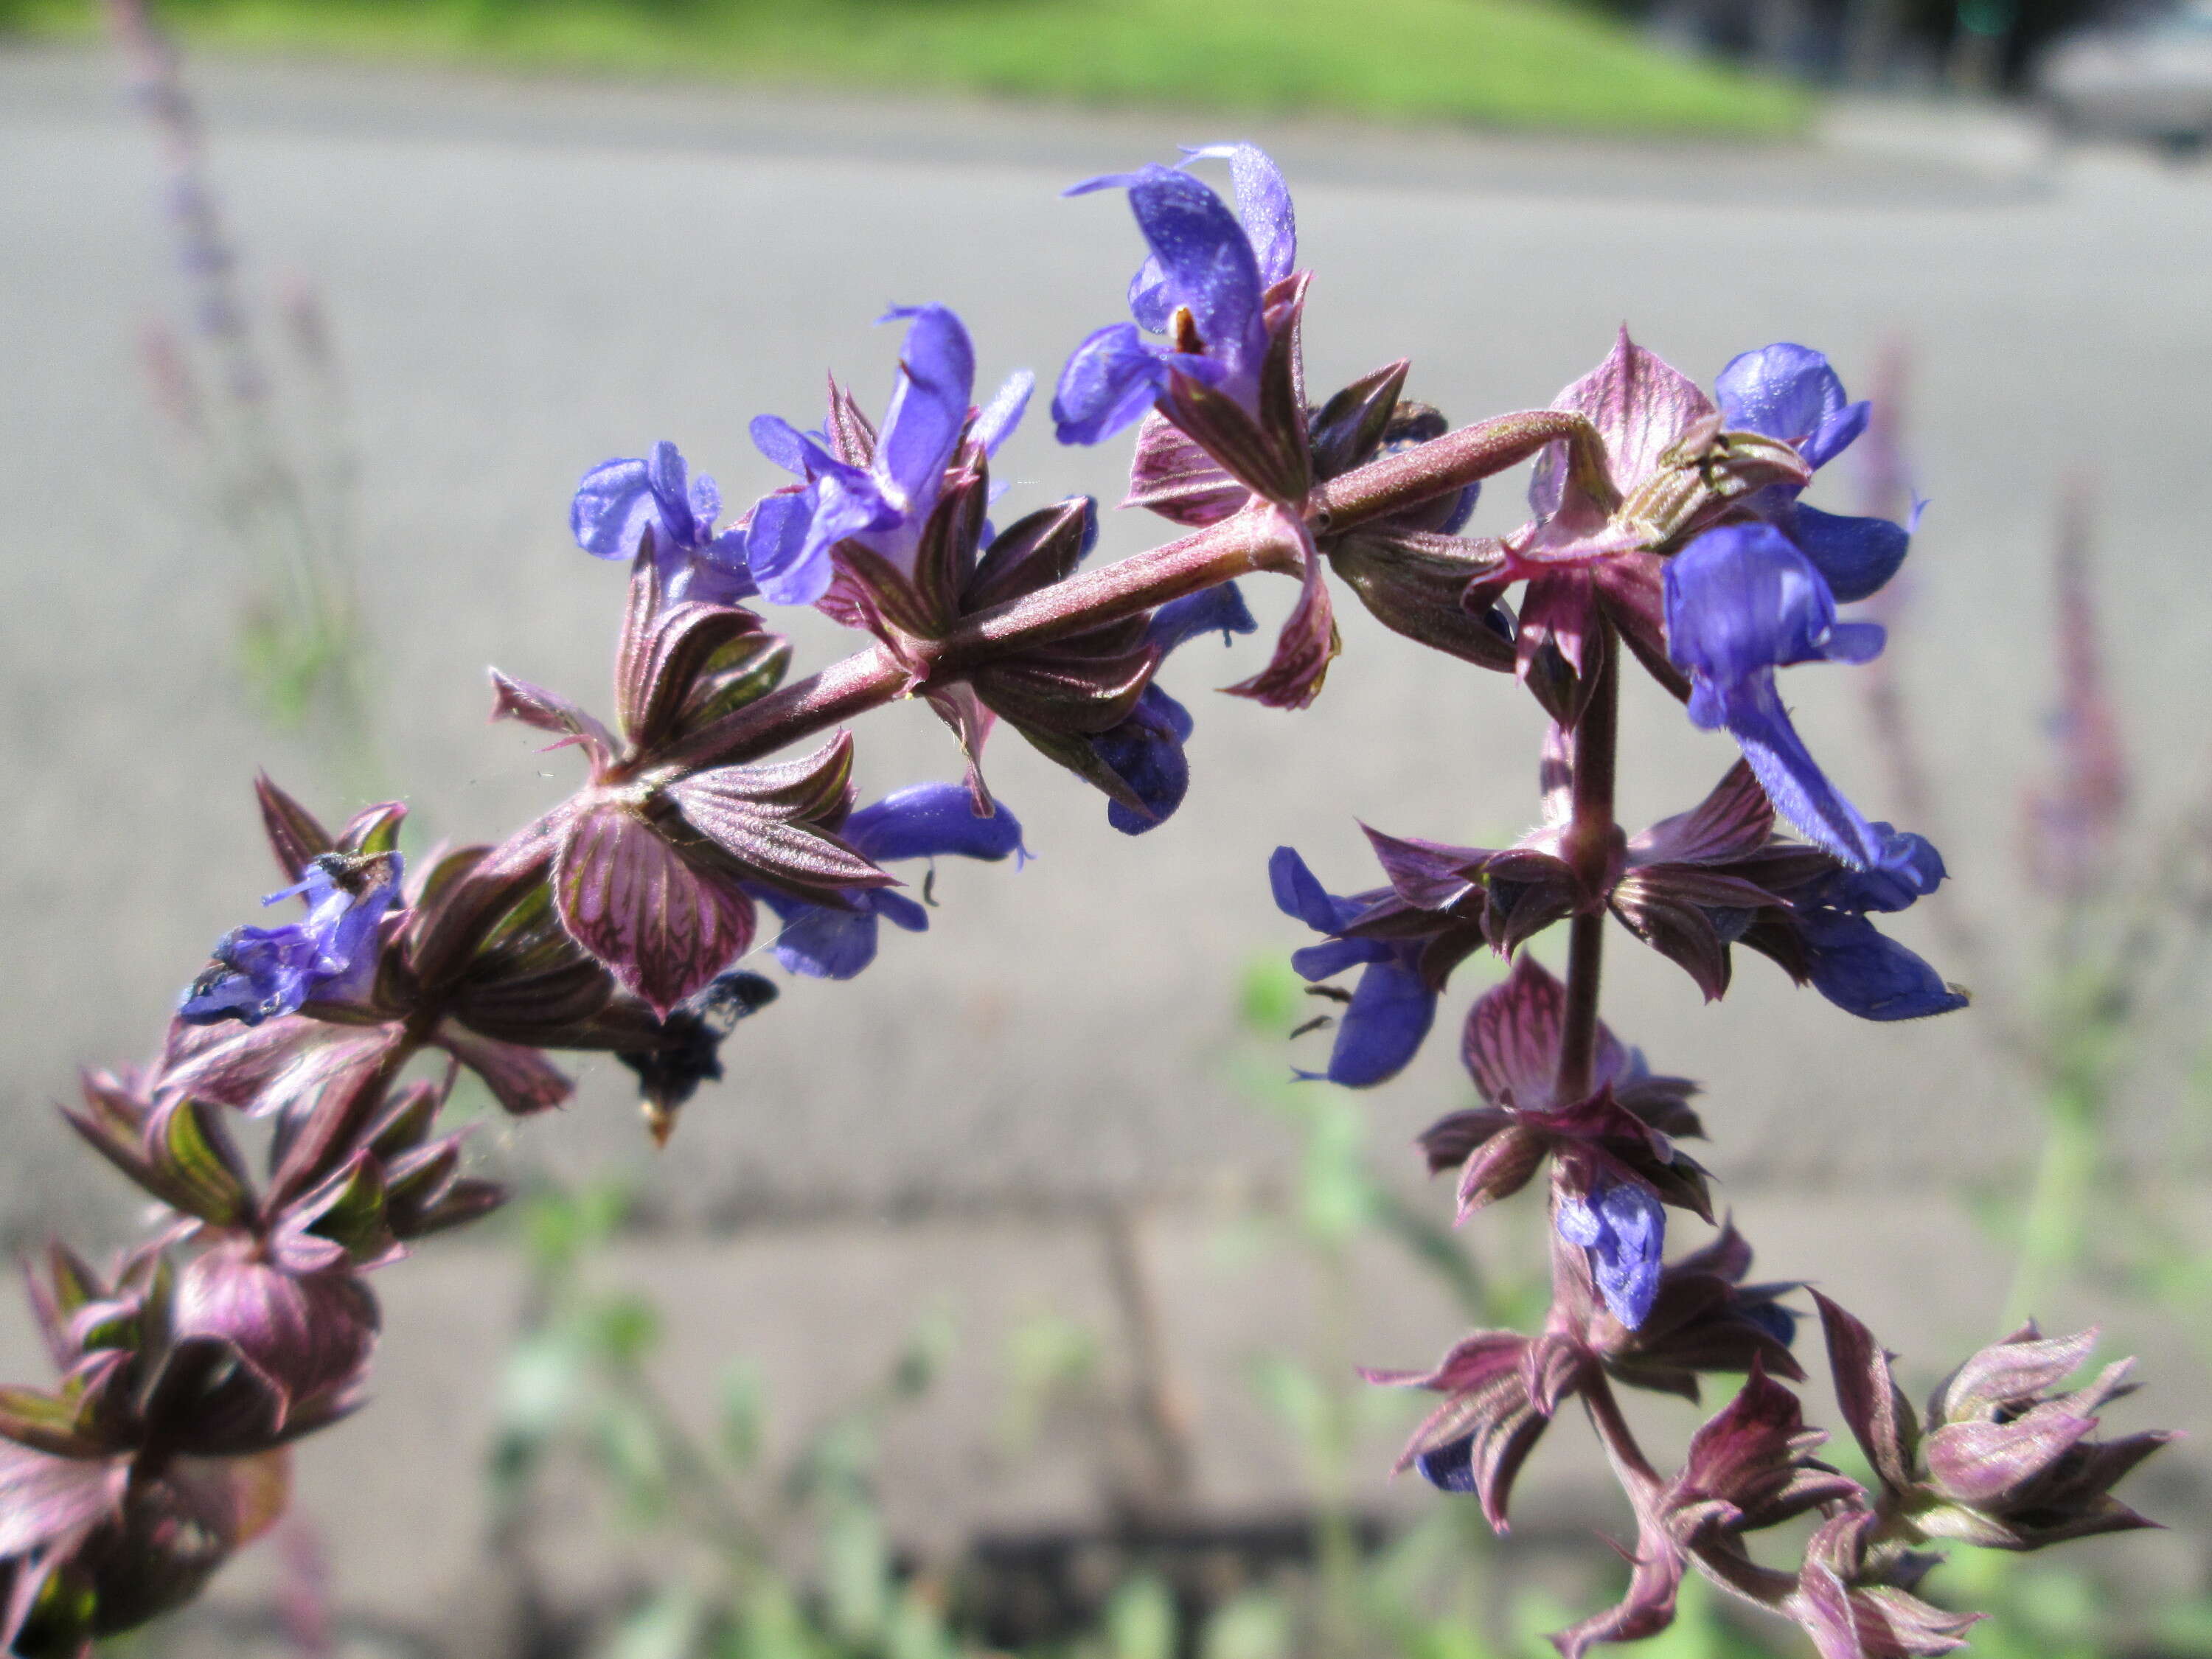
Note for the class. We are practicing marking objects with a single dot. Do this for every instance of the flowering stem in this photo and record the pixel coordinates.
(1588, 844)
(1252, 540)
(1454, 461)
(1629, 1463)
(1235, 547)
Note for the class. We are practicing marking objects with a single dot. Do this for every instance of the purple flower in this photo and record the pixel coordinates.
(1848, 960)
(929, 821)
(1394, 1004)
(880, 492)
(326, 956)
(1790, 391)
(618, 501)
(1145, 750)
(1501, 1390)
(1624, 1228)
(1700, 882)
(1204, 287)
(1741, 602)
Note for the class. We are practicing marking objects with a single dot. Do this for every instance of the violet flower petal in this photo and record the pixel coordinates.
(1382, 1027)
(1624, 1228)
(1864, 973)
(797, 453)
(928, 408)
(1315, 963)
(1109, 380)
(1450, 1466)
(818, 942)
(613, 504)
(776, 549)
(1208, 262)
(1263, 203)
(1855, 556)
(1214, 609)
(1790, 392)
(932, 820)
(1146, 752)
(1001, 416)
(900, 911)
(664, 470)
(1741, 602)
(1298, 893)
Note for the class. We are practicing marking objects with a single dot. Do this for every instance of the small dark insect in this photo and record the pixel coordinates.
(669, 1077)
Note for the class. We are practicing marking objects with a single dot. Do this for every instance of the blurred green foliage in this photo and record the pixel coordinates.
(1519, 64)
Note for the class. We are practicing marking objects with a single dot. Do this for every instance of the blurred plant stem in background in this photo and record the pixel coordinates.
(751, 1555)
(276, 470)
(743, 1552)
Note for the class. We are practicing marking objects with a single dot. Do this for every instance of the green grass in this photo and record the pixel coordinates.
(1509, 63)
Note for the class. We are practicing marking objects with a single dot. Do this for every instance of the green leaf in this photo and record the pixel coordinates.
(626, 1327)
(1438, 1247)
(560, 1226)
(74, 1281)
(1252, 1626)
(918, 1630)
(1272, 998)
(750, 667)
(665, 1626)
(1140, 1620)
(929, 1347)
(355, 1218)
(630, 1449)
(743, 1414)
(376, 830)
(1293, 1393)
(856, 1572)
(43, 1423)
(1049, 1359)
(543, 1381)
(1337, 1194)
(771, 1626)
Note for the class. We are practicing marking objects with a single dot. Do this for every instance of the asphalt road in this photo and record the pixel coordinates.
(524, 279)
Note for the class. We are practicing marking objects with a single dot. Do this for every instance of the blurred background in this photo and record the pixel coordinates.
(1007, 1298)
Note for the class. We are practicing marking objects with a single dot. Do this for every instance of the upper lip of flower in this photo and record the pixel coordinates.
(877, 489)
(1205, 286)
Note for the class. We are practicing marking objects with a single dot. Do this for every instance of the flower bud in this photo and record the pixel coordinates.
(305, 1338)
(2003, 1463)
